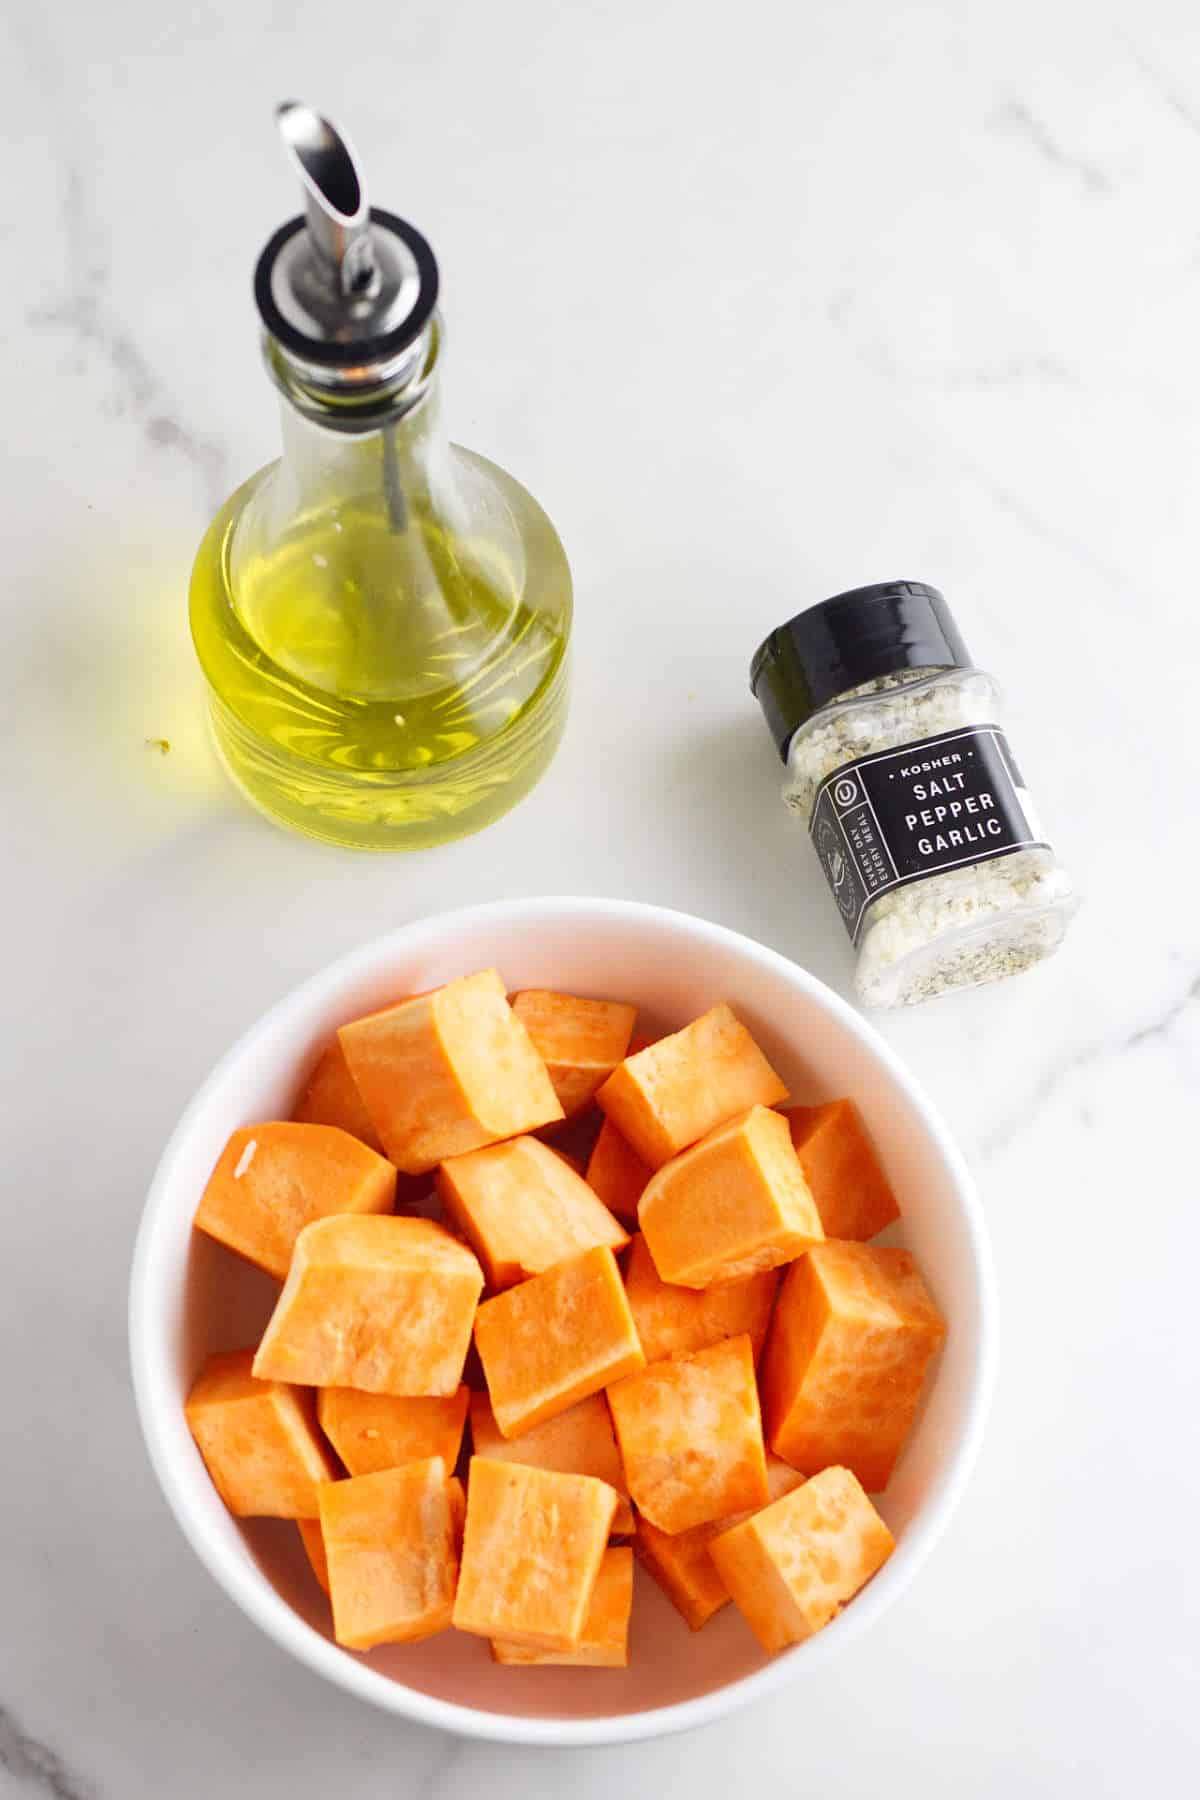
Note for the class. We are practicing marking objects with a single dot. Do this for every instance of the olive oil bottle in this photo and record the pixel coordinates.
(382, 616)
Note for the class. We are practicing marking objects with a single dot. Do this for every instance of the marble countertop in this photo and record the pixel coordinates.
(761, 306)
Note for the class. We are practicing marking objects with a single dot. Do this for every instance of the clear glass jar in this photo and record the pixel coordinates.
(383, 620)
(382, 616)
(921, 819)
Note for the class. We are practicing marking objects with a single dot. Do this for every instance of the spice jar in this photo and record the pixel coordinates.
(915, 804)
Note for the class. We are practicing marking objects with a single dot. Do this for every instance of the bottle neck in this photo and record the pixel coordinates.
(398, 452)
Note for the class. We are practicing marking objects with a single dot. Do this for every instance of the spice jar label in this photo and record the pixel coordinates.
(942, 802)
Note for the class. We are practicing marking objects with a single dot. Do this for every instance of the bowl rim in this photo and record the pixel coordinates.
(153, 1393)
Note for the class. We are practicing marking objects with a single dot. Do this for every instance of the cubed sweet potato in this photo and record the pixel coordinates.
(580, 1041)
(390, 1544)
(259, 1440)
(853, 1334)
(734, 1204)
(458, 1511)
(690, 1436)
(853, 1195)
(679, 1089)
(332, 1098)
(579, 1441)
(523, 1208)
(616, 1173)
(671, 1319)
(447, 1072)
(794, 1565)
(314, 1549)
(532, 1550)
(605, 1640)
(382, 1431)
(272, 1180)
(555, 1339)
(681, 1564)
(380, 1304)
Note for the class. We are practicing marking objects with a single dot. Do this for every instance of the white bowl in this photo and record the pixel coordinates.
(188, 1296)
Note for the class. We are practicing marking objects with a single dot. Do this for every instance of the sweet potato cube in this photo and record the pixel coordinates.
(580, 1041)
(853, 1334)
(393, 1564)
(853, 1195)
(794, 1565)
(684, 1086)
(683, 1569)
(682, 1566)
(734, 1204)
(691, 1436)
(555, 1339)
(605, 1640)
(259, 1440)
(616, 1173)
(672, 1319)
(314, 1549)
(579, 1441)
(272, 1180)
(382, 1431)
(447, 1072)
(381, 1304)
(523, 1208)
(458, 1511)
(331, 1098)
(532, 1550)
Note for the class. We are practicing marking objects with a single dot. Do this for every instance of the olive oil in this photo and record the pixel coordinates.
(382, 617)
(384, 689)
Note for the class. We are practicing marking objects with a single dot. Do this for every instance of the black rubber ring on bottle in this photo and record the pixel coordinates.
(334, 355)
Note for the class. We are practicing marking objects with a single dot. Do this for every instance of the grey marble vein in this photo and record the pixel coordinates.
(35, 1766)
(1010, 371)
(1065, 542)
(1181, 107)
(1055, 1080)
(1014, 116)
(85, 312)
(1166, 1021)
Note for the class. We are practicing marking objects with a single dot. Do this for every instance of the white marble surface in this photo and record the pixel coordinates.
(761, 304)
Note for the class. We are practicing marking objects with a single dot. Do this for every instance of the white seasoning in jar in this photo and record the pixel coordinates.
(928, 838)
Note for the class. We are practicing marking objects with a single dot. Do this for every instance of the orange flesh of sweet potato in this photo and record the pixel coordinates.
(259, 1440)
(523, 1208)
(691, 1437)
(532, 1550)
(734, 1204)
(555, 1339)
(393, 1565)
(684, 1086)
(331, 1098)
(448, 1072)
(853, 1334)
(314, 1549)
(382, 1431)
(272, 1180)
(794, 1565)
(616, 1173)
(381, 1304)
(605, 1640)
(853, 1195)
(580, 1041)
(579, 1441)
(673, 1319)
(682, 1566)
(458, 1511)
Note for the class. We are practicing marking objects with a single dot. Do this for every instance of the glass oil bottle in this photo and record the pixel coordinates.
(382, 616)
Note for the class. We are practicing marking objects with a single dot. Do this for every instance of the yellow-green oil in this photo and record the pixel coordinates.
(378, 677)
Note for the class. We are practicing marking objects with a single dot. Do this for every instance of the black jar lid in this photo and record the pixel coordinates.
(847, 640)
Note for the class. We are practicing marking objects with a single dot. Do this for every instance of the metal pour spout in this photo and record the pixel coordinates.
(335, 198)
